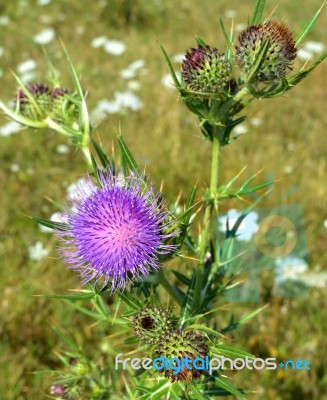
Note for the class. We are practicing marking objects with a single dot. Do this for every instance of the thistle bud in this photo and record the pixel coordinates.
(206, 72)
(63, 109)
(151, 323)
(59, 390)
(180, 344)
(281, 51)
(37, 108)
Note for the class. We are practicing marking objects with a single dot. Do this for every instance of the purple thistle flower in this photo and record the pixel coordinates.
(115, 231)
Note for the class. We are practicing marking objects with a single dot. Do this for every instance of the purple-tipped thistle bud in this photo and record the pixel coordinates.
(42, 101)
(281, 52)
(179, 344)
(151, 323)
(206, 71)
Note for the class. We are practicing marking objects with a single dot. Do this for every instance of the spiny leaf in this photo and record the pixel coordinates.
(231, 352)
(309, 26)
(50, 224)
(200, 41)
(171, 69)
(220, 382)
(101, 154)
(127, 159)
(257, 12)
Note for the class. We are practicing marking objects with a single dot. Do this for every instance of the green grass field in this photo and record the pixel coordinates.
(290, 143)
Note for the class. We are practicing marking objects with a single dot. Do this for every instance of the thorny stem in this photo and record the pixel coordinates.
(205, 235)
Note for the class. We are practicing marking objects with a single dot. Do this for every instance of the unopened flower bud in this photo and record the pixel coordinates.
(281, 51)
(206, 71)
(40, 107)
(180, 344)
(151, 323)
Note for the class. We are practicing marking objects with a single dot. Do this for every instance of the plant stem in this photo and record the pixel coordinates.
(170, 289)
(205, 235)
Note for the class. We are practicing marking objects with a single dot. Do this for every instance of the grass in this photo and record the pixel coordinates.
(290, 143)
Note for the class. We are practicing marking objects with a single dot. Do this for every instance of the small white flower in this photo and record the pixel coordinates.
(168, 82)
(256, 121)
(4, 20)
(10, 128)
(62, 149)
(36, 252)
(133, 85)
(304, 54)
(2, 51)
(44, 37)
(99, 42)
(240, 27)
(325, 223)
(240, 129)
(131, 71)
(14, 167)
(288, 169)
(178, 58)
(314, 47)
(115, 47)
(26, 66)
(28, 77)
(230, 14)
(43, 2)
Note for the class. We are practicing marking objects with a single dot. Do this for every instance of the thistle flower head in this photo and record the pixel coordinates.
(206, 71)
(179, 344)
(151, 323)
(116, 231)
(39, 106)
(281, 52)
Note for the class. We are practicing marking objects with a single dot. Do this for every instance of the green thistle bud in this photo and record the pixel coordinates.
(281, 52)
(63, 109)
(180, 344)
(39, 107)
(206, 72)
(151, 323)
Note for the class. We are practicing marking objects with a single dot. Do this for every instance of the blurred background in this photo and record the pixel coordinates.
(114, 45)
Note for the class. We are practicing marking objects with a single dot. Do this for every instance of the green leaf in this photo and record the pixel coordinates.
(250, 316)
(53, 73)
(230, 48)
(309, 26)
(51, 224)
(216, 392)
(67, 340)
(231, 352)
(127, 159)
(198, 395)
(171, 69)
(227, 386)
(84, 115)
(74, 297)
(101, 154)
(131, 340)
(259, 60)
(257, 12)
(182, 277)
(130, 300)
(21, 119)
(200, 41)
(205, 329)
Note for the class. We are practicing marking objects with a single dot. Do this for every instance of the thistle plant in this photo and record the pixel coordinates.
(118, 233)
